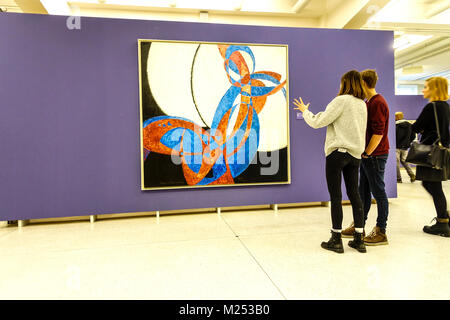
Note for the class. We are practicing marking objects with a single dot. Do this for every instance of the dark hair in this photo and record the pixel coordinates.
(351, 84)
(370, 77)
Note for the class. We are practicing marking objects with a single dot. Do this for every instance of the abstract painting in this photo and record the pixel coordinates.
(213, 114)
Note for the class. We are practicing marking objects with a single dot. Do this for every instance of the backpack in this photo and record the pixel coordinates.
(404, 135)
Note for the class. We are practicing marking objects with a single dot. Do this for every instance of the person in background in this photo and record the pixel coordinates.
(374, 160)
(345, 118)
(404, 136)
(436, 91)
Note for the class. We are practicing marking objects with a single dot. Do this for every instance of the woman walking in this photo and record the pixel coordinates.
(345, 118)
(436, 91)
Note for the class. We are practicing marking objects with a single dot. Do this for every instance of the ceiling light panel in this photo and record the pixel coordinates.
(408, 40)
(139, 3)
(403, 11)
(184, 4)
(442, 18)
(210, 4)
(56, 7)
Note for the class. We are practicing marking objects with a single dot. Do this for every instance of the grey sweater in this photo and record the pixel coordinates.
(346, 121)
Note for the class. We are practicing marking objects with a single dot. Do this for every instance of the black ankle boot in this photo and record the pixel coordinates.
(439, 228)
(358, 242)
(335, 243)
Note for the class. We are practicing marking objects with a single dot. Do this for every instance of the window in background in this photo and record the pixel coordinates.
(407, 89)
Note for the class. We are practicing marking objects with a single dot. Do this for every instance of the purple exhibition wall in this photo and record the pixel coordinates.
(410, 105)
(69, 115)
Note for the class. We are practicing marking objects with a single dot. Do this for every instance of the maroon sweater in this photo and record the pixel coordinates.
(378, 123)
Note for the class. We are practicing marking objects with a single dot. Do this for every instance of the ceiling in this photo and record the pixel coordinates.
(422, 27)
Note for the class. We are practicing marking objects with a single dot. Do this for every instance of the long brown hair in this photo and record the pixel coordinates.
(351, 84)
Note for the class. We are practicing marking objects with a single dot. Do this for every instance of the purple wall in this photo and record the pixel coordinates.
(411, 106)
(69, 115)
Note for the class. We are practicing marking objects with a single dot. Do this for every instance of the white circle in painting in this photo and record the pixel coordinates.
(169, 74)
(210, 83)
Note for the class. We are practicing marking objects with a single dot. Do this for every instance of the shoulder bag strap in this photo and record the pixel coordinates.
(437, 123)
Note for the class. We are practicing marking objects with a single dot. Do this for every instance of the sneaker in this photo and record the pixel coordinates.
(334, 244)
(439, 228)
(399, 180)
(376, 238)
(412, 178)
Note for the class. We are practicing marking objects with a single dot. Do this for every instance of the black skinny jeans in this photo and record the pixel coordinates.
(338, 164)
(434, 188)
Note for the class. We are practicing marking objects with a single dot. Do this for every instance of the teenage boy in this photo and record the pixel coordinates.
(374, 160)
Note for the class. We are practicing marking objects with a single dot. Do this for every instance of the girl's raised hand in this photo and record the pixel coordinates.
(300, 105)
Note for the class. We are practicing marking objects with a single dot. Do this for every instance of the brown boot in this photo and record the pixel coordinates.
(376, 238)
(348, 233)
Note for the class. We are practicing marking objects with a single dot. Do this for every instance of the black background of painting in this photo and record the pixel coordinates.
(150, 108)
(159, 169)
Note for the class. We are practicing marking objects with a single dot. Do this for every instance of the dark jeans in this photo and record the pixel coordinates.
(338, 164)
(372, 183)
(434, 188)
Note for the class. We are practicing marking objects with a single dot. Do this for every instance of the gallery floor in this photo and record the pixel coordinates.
(235, 255)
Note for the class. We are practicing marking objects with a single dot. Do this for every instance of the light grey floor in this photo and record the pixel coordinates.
(237, 255)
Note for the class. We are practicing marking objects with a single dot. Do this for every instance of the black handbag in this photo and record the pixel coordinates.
(435, 156)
